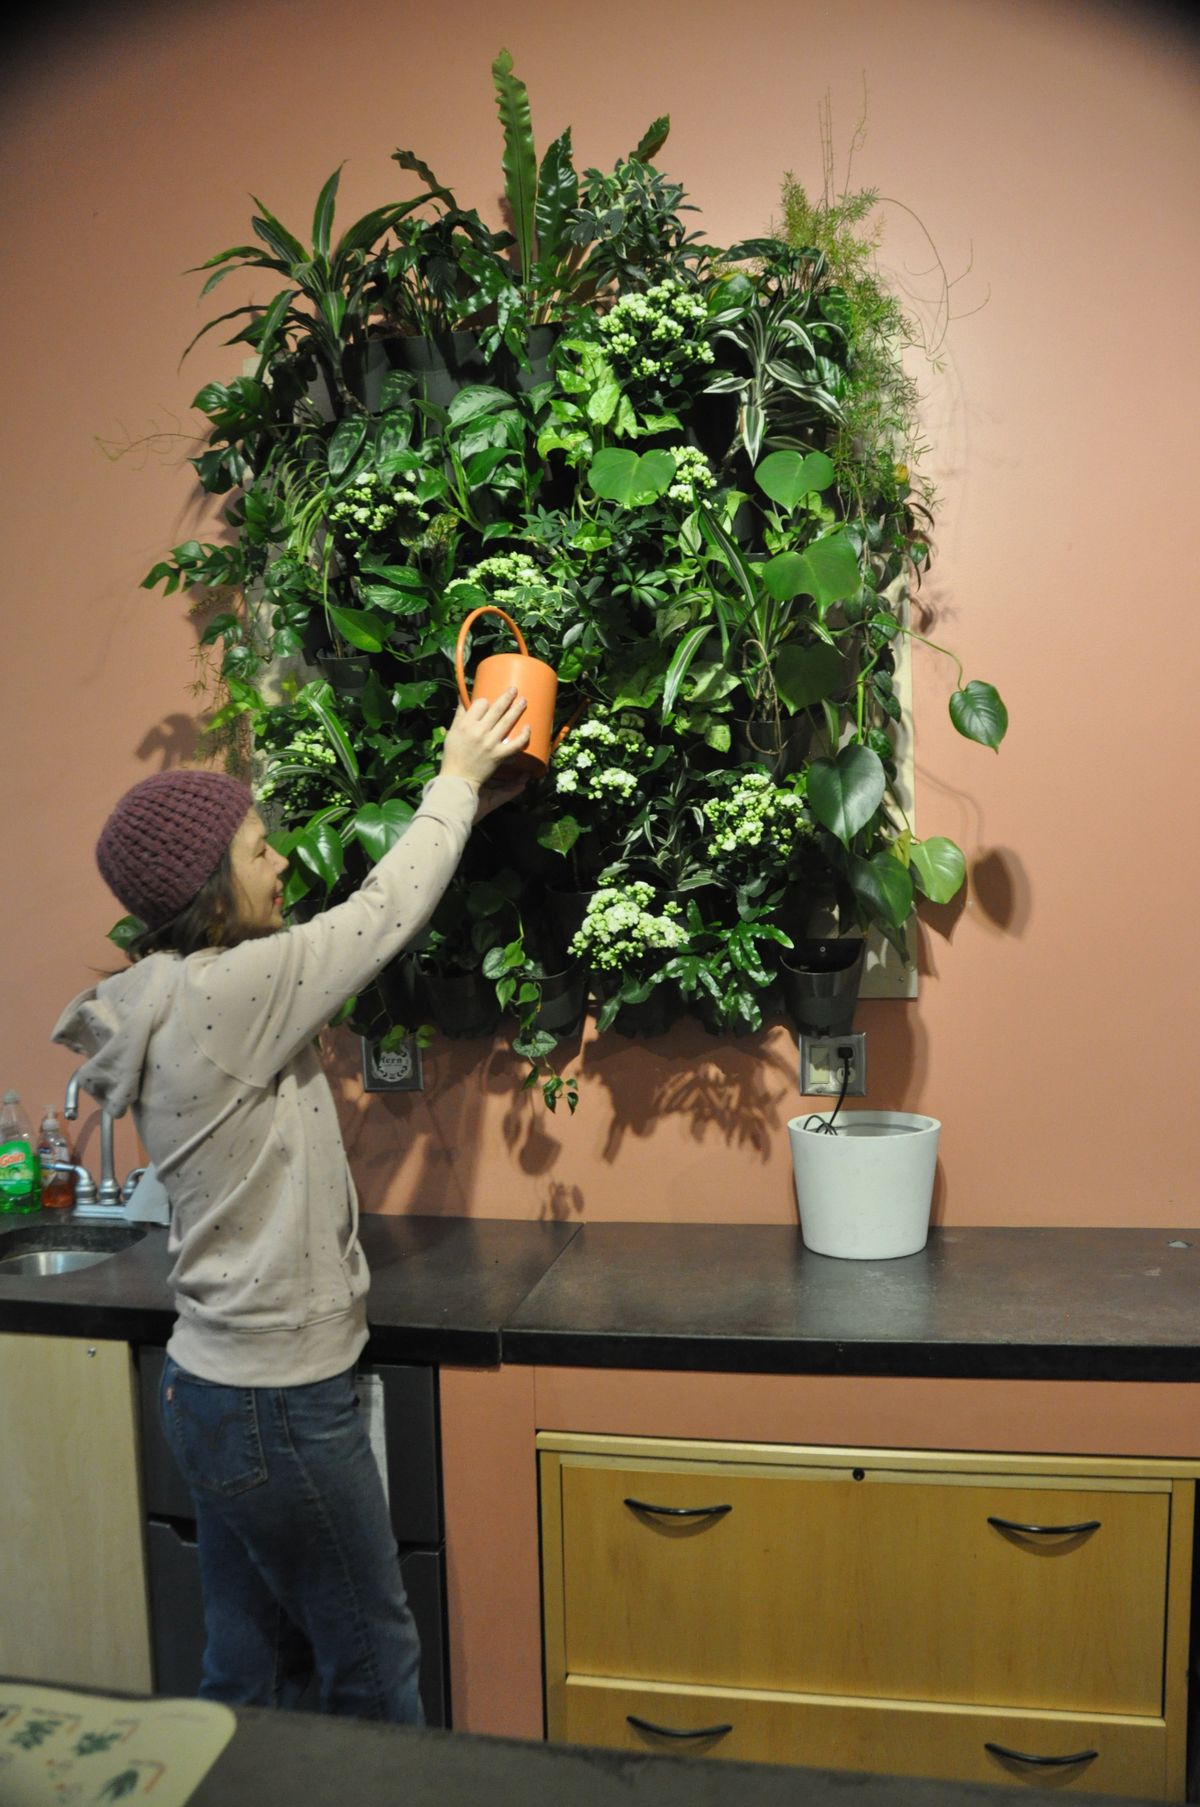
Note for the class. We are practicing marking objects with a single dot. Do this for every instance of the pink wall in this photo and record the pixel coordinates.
(1051, 151)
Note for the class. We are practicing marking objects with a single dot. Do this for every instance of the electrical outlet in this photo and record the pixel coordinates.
(392, 1069)
(822, 1059)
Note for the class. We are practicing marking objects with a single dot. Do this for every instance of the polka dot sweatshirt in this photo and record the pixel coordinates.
(215, 1055)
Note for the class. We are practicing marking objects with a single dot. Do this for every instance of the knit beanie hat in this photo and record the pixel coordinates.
(166, 836)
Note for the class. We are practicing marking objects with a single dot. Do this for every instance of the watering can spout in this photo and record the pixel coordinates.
(531, 678)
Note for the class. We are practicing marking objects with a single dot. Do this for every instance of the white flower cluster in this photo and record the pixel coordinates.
(306, 747)
(693, 473)
(600, 761)
(619, 931)
(657, 333)
(505, 575)
(757, 818)
(368, 506)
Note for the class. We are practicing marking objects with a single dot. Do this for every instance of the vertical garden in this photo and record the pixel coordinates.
(687, 472)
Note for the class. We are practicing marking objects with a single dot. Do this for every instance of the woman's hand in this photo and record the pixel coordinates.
(481, 738)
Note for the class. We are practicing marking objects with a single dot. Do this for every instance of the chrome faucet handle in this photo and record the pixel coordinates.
(85, 1185)
(129, 1184)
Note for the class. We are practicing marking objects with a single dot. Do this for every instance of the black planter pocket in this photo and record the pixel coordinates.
(820, 981)
(463, 1005)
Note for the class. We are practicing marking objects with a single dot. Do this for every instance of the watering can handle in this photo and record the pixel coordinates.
(489, 608)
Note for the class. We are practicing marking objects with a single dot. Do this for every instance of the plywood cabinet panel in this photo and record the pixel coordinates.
(879, 1608)
(866, 1580)
(1115, 1755)
(72, 1565)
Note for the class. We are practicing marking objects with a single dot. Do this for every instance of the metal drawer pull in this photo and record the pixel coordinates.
(666, 1731)
(1008, 1524)
(1000, 1750)
(679, 1511)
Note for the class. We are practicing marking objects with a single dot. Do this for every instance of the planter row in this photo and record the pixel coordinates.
(464, 1005)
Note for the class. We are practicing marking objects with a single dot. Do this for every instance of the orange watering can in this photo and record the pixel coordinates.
(533, 679)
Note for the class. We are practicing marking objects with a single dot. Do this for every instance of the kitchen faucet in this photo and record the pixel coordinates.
(111, 1198)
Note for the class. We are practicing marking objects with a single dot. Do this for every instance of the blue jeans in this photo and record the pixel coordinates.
(298, 1563)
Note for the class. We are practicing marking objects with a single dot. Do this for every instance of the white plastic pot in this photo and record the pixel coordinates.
(865, 1191)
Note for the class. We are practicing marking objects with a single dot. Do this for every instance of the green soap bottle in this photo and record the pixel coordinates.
(20, 1172)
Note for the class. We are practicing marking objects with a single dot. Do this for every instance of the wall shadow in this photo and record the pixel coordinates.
(171, 742)
(1000, 884)
(438, 1129)
(737, 1088)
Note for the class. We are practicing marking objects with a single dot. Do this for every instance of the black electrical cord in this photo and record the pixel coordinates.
(824, 1126)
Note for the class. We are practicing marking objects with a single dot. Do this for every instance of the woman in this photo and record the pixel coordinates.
(209, 1038)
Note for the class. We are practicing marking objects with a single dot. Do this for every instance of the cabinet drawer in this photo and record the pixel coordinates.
(909, 1738)
(894, 1585)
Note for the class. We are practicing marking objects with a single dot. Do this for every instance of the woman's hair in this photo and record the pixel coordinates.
(212, 919)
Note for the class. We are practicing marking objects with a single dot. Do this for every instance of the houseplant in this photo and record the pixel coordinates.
(699, 501)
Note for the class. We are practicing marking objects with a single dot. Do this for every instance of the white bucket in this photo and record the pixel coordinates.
(865, 1191)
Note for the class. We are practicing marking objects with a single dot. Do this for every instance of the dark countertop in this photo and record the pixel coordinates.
(441, 1287)
(277, 1759)
(1015, 1304)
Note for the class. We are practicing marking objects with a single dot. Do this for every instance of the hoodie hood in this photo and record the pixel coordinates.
(111, 1024)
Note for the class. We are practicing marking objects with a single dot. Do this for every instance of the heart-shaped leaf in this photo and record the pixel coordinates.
(940, 866)
(805, 674)
(320, 847)
(978, 712)
(621, 476)
(786, 476)
(379, 826)
(787, 575)
(885, 887)
(845, 792)
(828, 571)
(834, 566)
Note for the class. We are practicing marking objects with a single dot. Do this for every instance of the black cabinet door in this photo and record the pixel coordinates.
(411, 1436)
(177, 1617)
(410, 1460)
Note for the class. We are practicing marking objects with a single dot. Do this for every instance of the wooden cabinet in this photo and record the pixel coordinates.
(72, 1566)
(939, 1615)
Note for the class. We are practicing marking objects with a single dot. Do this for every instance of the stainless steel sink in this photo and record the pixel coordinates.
(37, 1250)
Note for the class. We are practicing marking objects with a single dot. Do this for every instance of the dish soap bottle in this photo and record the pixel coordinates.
(54, 1152)
(19, 1188)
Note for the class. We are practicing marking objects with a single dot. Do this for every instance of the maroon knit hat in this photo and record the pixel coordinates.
(166, 836)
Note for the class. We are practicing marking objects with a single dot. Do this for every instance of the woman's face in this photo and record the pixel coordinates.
(257, 876)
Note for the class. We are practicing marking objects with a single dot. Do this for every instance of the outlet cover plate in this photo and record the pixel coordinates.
(821, 1065)
(392, 1069)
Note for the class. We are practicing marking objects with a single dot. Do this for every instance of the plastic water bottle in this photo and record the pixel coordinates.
(54, 1152)
(20, 1189)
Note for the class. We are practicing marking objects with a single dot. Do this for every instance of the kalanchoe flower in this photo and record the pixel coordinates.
(756, 825)
(515, 581)
(657, 336)
(600, 760)
(693, 473)
(620, 932)
(296, 793)
(368, 506)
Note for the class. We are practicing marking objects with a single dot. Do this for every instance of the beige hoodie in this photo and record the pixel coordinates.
(216, 1056)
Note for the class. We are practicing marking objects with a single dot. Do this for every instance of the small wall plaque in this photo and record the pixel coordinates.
(391, 1069)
